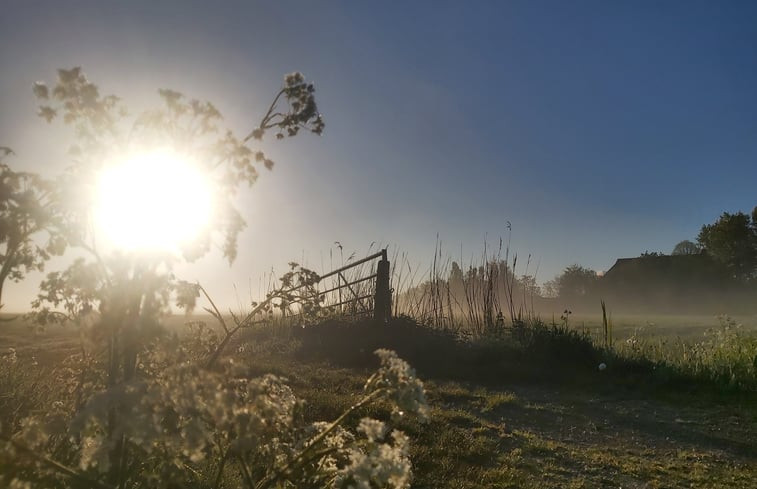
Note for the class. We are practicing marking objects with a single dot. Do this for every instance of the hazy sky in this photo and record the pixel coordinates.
(598, 129)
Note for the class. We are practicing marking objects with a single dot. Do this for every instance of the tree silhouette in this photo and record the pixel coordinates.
(131, 292)
(575, 282)
(686, 247)
(27, 213)
(123, 296)
(732, 240)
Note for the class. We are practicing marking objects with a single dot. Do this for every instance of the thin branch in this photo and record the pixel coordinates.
(222, 465)
(270, 479)
(276, 294)
(246, 472)
(239, 325)
(217, 313)
(234, 317)
(267, 115)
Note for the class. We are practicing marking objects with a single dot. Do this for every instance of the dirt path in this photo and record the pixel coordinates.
(567, 439)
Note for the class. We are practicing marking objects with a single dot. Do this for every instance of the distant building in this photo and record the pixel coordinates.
(678, 270)
(666, 281)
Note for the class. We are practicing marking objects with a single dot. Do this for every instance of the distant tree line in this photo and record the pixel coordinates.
(730, 241)
(716, 271)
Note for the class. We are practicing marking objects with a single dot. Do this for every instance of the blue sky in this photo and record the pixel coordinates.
(598, 129)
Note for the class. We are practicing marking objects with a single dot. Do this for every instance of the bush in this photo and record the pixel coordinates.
(524, 352)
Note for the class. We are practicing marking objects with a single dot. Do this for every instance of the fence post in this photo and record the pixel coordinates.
(382, 303)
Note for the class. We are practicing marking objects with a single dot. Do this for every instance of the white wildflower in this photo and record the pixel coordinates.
(32, 433)
(19, 484)
(10, 356)
(381, 465)
(94, 453)
(401, 385)
(373, 429)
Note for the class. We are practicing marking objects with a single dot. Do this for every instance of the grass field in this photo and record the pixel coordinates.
(663, 326)
(668, 327)
(502, 416)
(545, 435)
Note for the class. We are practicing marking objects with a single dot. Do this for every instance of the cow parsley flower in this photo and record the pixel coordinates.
(373, 429)
(10, 356)
(403, 388)
(379, 465)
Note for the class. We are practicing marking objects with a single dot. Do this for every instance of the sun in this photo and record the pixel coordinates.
(153, 201)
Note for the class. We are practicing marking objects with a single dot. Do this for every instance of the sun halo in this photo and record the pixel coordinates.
(152, 201)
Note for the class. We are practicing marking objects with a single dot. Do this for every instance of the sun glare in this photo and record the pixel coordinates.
(154, 201)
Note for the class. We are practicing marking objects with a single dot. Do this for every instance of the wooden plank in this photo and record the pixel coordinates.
(350, 300)
(352, 265)
(345, 285)
(339, 270)
(353, 292)
(341, 278)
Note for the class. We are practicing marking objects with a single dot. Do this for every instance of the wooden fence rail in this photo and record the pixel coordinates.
(381, 295)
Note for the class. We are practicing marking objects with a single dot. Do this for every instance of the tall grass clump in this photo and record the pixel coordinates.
(21, 387)
(726, 357)
(481, 300)
(606, 325)
(488, 303)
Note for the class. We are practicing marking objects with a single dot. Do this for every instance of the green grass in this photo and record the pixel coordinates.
(670, 326)
(535, 435)
(525, 412)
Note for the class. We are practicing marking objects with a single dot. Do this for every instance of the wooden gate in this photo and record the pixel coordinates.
(353, 291)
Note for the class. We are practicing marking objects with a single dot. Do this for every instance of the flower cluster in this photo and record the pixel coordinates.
(10, 357)
(188, 414)
(398, 380)
(172, 420)
(377, 463)
(15, 483)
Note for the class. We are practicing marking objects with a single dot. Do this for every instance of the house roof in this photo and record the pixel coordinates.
(664, 267)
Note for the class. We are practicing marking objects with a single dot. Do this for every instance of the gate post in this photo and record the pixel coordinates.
(382, 303)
